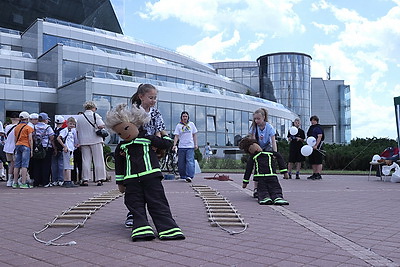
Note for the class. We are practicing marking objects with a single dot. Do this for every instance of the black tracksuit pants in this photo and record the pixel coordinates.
(148, 191)
(269, 187)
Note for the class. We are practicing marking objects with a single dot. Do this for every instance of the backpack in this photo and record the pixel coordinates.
(39, 152)
(57, 131)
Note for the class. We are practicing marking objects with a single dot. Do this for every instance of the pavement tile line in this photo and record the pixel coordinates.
(351, 247)
(220, 211)
(81, 212)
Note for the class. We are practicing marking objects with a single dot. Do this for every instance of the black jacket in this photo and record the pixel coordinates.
(137, 159)
(263, 164)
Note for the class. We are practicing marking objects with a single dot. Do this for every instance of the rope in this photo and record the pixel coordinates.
(84, 209)
(208, 194)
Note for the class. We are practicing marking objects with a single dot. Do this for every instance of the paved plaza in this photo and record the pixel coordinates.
(341, 220)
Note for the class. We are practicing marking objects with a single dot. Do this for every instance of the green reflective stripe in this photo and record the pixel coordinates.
(170, 230)
(284, 170)
(167, 138)
(123, 146)
(142, 141)
(143, 233)
(146, 157)
(245, 181)
(119, 178)
(142, 228)
(142, 173)
(262, 174)
(173, 234)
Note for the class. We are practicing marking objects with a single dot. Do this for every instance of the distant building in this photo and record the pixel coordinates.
(330, 101)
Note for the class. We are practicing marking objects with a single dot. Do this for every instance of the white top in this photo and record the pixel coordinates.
(185, 133)
(9, 144)
(1, 127)
(85, 131)
(71, 139)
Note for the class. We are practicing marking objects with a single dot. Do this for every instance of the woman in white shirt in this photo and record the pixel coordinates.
(90, 143)
(186, 133)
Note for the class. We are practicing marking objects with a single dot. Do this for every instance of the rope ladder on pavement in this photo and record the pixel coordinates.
(220, 211)
(75, 217)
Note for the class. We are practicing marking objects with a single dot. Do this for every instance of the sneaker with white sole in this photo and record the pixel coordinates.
(189, 180)
(15, 185)
(24, 186)
(9, 183)
(129, 221)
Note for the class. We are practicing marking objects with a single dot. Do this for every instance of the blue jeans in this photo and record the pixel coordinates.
(186, 162)
(57, 167)
(22, 156)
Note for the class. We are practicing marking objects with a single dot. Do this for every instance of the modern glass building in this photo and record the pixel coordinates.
(55, 66)
(285, 78)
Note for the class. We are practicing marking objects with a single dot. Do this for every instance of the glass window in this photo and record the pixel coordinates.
(229, 121)
(191, 109)
(48, 42)
(201, 139)
(245, 122)
(103, 104)
(221, 139)
(201, 118)
(238, 122)
(182, 81)
(229, 140)
(165, 110)
(176, 114)
(210, 123)
(220, 120)
(118, 100)
(211, 138)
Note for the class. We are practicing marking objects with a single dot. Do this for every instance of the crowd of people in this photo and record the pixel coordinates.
(38, 154)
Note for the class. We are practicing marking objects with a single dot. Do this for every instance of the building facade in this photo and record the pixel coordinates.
(55, 66)
(286, 78)
(331, 103)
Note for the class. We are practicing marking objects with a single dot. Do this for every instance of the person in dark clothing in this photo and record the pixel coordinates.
(138, 174)
(315, 159)
(296, 143)
(269, 189)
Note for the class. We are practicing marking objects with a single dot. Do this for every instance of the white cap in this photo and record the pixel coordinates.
(34, 116)
(59, 119)
(24, 115)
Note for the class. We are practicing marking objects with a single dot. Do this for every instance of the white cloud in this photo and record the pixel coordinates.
(205, 49)
(369, 117)
(275, 17)
(327, 29)
(253, 44)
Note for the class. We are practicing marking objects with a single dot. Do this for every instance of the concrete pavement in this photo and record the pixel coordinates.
(339, 221)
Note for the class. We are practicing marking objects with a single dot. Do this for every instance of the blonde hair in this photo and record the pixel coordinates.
(89, 105)
(122, 113)
(263, 112)
(71, 119)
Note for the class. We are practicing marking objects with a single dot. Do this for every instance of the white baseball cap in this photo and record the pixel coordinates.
(24, 115)
(59, 119)
(34, 116)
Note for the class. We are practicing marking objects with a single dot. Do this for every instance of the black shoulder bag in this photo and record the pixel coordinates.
(100, 132)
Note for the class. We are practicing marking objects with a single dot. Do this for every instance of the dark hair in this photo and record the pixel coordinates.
(314, 118)
(141, 90)
(246, 142)
(184, 112)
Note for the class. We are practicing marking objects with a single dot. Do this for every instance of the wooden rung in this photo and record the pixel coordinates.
(78, 212)
(224, 220)
(215, 198)
(216, 206)
(224, 215)
(221, 210)
(89, 205)
(227, 224)
(65, 224)
(71, 217)
(93, 209)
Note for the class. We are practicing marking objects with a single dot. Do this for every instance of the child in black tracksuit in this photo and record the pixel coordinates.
(138, 174)
(269, 188)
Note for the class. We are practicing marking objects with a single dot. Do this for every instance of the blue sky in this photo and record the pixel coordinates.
(359, 39)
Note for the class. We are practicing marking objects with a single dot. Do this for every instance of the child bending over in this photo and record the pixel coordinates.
(269, 190)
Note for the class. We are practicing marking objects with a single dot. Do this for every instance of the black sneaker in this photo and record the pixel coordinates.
(312, 177)
(129, 221)
(289, 176)
(317, 177)
(255, 194)
(297, 176)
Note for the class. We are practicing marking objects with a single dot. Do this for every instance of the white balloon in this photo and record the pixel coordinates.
(375, 158)
(306, 150)
(386, 170)
(293, 130)
(311, 141)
